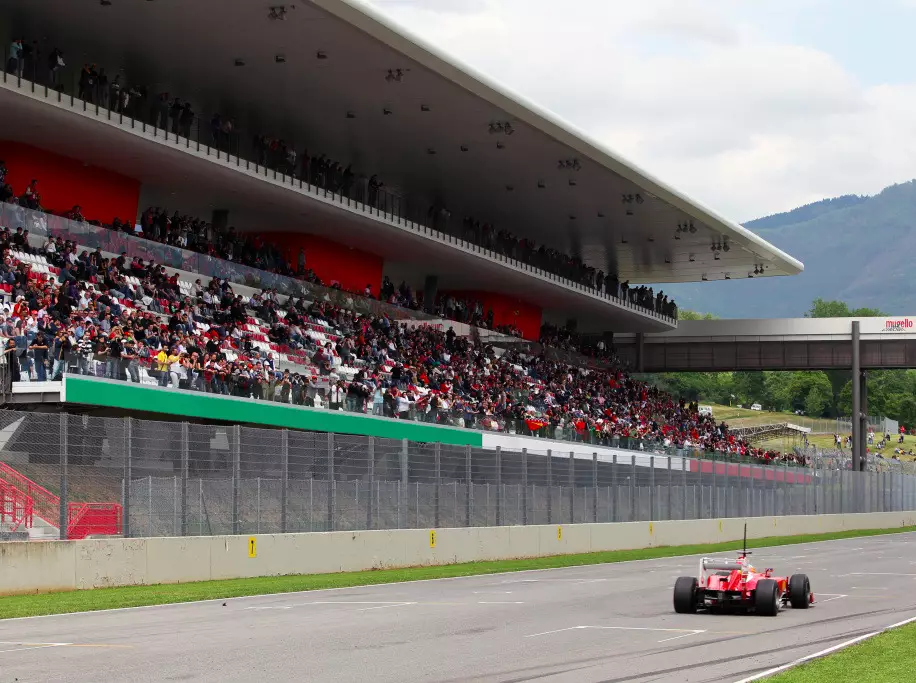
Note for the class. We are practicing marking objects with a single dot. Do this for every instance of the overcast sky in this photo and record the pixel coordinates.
(750, 106)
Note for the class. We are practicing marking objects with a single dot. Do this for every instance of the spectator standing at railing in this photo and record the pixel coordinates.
(55, 64)
(60, 353)
(101, 87)
(14, 63)
(39, 349)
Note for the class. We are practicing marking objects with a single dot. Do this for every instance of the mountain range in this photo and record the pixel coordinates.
(855, 249)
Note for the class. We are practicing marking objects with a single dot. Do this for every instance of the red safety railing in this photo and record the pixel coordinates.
(93, 519)
(15, 507)
(83, 519)
(45, 504)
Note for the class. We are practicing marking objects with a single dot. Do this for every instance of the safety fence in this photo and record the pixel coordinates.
(178, 478)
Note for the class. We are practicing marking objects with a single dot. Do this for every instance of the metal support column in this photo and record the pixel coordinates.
(235, 451)
(331, 487)
(668, 514)
(633, 508)
(128, 472)
(728, 491)
(469, 491)
(63, 514)
(499, 486)
(184, 478)
(405, 472)
(595, 487)
(714, 492)
(370, 454)
(863, 407)
(572, 487)
(525, 486)
(437, 499)
(684, 486)
(284, 481)
(653, 516)
(786, 491)
(614, 488)
(549, 487)
(856, 401)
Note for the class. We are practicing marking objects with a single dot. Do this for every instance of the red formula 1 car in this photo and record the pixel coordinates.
(725, 584)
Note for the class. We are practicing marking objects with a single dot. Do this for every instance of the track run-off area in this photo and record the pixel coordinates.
(601, 623)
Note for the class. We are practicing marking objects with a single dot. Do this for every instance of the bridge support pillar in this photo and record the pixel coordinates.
(857, 439)
(863, 408)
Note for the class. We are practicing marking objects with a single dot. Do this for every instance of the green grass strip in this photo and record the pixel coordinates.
(137, 596)
(887, 658)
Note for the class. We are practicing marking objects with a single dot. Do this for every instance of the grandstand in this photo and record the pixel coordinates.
(314, 222)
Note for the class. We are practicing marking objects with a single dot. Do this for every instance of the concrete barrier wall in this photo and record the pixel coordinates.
(67, 565)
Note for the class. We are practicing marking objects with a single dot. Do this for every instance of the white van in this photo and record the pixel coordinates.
(705, 411)
(756, 406)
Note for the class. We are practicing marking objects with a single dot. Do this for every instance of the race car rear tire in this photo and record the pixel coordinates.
(766, 598)
(799, 591)
(685, 595)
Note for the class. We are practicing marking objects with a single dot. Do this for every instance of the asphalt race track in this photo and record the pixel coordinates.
(609, 623)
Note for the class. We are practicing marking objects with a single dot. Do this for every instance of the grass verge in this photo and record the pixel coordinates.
(138, 596)
(887, 658)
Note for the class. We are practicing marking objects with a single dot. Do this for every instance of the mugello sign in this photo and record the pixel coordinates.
(899, 325)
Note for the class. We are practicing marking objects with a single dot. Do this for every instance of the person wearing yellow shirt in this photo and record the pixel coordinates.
(162, 366)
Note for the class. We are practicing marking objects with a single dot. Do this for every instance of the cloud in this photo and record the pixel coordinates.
(709, 95)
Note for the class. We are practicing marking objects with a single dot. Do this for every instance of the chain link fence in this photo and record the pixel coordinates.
(177, 478)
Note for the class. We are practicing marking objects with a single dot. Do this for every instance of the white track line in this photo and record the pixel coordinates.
(684, 631)
(822, 653)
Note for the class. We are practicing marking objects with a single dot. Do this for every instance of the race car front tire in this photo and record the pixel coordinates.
(685, 595)
(799, 591)
(766, 598)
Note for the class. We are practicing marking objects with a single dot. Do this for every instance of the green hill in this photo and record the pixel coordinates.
(855, 249)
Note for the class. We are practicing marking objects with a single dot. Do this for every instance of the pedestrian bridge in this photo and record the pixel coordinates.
(776, 344)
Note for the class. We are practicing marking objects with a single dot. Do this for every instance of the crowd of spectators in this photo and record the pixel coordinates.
(178, 116)
(130, 320)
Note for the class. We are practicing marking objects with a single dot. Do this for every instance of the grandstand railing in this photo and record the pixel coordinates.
(180, 478)
(29, 498)
(571, 430)
(380, 204)
(16, 508)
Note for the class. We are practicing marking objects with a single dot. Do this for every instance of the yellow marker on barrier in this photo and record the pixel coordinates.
(252, 546)
(432, 538)
(720, 526)
(651, 528)
(559, 533)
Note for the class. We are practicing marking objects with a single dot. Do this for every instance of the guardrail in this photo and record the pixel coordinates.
(15, 508)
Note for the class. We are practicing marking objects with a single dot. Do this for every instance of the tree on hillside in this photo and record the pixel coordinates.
(693, 315)
(839, 309)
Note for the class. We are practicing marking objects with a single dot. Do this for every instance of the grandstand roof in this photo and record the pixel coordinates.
(331, 92)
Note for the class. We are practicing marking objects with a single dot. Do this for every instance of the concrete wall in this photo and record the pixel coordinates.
(56, 565)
